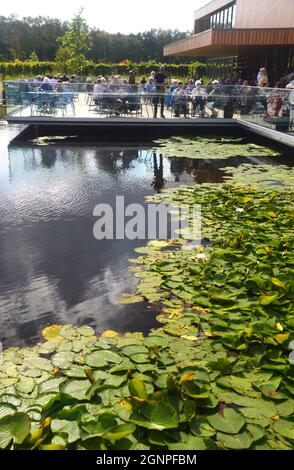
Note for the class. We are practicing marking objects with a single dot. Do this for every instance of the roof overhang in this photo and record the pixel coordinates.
(229, 42)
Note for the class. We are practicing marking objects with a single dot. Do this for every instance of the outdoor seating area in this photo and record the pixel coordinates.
(269, 107)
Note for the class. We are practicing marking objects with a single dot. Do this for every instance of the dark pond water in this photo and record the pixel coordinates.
(52, 270)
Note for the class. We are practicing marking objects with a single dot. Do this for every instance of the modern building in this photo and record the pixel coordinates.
(243, 33)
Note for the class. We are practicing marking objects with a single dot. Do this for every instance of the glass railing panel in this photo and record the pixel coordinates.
(271, 107)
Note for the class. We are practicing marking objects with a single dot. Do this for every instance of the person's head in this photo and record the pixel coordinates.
(98, 81)
(245, 83)
(263, 71)
(162, 69)
(88, 80)
(46, 80)
(198, 83)
(181, 85)
(190, 82)
(215, 83)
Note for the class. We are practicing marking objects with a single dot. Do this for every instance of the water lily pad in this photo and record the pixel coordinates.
(155, 415)
(285, 428)
(240, 441)
(69, 428)
(137, 389)
(52, 332)
(120, 431)
(14, 428)
(76, 389)
(230, 422)
(63, 359)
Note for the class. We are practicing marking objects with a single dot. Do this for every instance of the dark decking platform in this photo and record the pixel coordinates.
(139, 126)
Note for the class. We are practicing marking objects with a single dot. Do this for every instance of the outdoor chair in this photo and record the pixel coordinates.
(133, 105)
(45, 103)
(63, 101)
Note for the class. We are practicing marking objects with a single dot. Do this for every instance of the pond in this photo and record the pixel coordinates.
(52, 269)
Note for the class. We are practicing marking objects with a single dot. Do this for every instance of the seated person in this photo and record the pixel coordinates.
(169, 96)
(198, 98)
(247, 99)
(190, 87)
(46, 86)
(89, 85)
(150, 87)
(215, 98)
(59, 86)
(275, 101)
(98, 89)
(179, 101)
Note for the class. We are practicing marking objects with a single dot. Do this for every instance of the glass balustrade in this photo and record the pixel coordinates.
(270, 107)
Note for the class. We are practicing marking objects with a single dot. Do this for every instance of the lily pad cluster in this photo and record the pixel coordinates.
(215, 375)
(276, 176)
(211, 147)
(174, 389)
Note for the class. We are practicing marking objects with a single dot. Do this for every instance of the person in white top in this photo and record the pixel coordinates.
(198, 98)
(98, 87)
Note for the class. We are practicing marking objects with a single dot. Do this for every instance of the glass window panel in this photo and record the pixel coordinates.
(226, 17)
(234, 15)
(221, 19)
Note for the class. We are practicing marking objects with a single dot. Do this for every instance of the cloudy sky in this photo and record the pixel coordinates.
(123, 16)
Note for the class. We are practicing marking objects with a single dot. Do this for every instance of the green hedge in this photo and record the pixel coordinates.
(31, 68)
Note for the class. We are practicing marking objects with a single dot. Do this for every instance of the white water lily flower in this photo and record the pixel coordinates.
(200, 256)
(239, 210)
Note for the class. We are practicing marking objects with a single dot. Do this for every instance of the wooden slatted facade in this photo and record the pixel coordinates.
(218, 42)
(263, 28)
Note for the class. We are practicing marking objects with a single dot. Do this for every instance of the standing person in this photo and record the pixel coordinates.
(132, 77)
(160, 82)
(262, 78)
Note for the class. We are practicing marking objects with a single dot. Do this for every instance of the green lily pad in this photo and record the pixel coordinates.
(240, 441)
(14, 428)
(285, 428)
(69, 428)
(155, 415)
(230, 422)
(120, 431)
(76, 389)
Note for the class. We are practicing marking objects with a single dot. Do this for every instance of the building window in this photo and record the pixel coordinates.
(223, 19)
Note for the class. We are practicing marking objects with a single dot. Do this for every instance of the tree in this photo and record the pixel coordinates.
(34, 57)
(74, 45)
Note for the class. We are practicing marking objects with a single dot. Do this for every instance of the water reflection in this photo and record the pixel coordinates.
(52, 270)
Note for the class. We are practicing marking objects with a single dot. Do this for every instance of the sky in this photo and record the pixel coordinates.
(125, 16)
